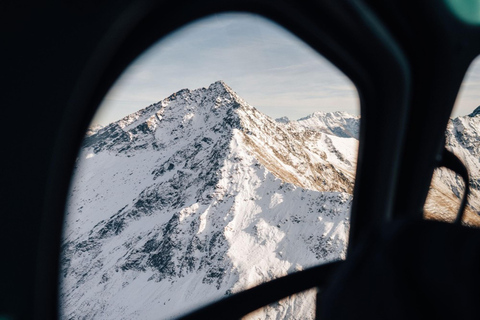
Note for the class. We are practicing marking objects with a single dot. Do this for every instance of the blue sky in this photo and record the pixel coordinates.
(266, 65)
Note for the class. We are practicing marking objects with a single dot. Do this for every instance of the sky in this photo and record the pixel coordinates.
(265, 64)
(469, 94)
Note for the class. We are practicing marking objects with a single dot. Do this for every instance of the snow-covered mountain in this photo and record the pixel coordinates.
(338, 123)
(200, 196)
(463, 139)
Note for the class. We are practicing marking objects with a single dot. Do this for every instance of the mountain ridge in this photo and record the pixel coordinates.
(200, 195)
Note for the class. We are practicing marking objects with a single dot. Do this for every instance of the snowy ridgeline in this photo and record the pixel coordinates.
(200, 196)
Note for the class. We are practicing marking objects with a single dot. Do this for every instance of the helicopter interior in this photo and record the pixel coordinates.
(407, 60)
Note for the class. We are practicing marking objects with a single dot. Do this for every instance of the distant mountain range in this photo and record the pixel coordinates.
(201, 195)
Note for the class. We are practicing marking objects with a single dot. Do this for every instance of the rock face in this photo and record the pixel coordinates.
(200, 196)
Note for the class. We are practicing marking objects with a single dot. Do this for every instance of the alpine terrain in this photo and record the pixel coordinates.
(463, 139)
(201, 195)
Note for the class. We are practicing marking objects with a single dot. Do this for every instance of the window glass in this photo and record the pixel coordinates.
(463, 139)
(222, 158)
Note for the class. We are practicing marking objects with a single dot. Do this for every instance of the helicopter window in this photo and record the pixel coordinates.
(463, 139)
(183, 196)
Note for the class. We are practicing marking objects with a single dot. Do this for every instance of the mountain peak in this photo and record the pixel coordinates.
(325, 114)
(219, 83)
(338, 123)
(475, 112)
(283, 119)
(221, 87)
(218, 87)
